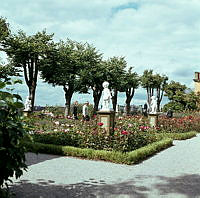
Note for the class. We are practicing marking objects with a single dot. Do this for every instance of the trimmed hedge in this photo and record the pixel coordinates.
(133, 157)
(112, 156)
(177, 136)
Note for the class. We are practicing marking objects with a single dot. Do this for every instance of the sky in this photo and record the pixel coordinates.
(163, 35)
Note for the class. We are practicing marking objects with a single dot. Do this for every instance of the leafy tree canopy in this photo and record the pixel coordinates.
(4, 29)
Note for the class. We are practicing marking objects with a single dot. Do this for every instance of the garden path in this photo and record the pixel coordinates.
(172, 173)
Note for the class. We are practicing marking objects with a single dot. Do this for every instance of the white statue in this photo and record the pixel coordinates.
(106, 97)
(27, 104)
(153, 105)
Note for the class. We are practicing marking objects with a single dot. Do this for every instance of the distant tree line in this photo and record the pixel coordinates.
(80, 67)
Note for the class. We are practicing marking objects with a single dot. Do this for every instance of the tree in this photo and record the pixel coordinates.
(27, 52)
(4, 29)
(65, 66)
(179, 98)
(130, 82)
(93, 76)
(176, 94)
(6, 71)
(161, 82)
(154, 84)
(192, 100)
(115, 68)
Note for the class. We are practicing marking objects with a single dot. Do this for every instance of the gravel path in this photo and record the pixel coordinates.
(172, 173)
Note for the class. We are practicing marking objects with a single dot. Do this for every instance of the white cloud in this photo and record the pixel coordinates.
(151, 34)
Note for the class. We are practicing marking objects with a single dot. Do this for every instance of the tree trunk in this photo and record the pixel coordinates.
(128, 107)
(114, 99)
(30, 75)
(159, 97)
(129, 95)
(32, 90)
(68, 96)
(96, 96)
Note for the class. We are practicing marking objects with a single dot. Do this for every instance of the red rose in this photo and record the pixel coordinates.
(100, 124)
(124, 132)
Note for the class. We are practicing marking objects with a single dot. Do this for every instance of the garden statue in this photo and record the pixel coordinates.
(153, 105)
(106, 97)
(27, 104)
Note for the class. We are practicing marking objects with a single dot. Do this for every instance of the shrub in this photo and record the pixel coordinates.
(179, 125)
(12, 157)
(58, 138)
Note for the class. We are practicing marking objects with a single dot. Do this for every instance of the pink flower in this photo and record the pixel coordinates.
(100, 124)
(124, 132)
(142, 128)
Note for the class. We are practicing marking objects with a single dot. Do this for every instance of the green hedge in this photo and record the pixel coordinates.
(133, 157)
(177, 136)
(113, 156)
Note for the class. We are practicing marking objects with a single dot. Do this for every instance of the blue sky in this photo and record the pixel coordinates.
(151, 34)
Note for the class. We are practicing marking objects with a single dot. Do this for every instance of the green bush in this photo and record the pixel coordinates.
(58, 138)
(113, 156)
(12, 153)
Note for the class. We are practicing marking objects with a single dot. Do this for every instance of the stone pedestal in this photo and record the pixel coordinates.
(153, 120)
(26, 113)
(108, 120)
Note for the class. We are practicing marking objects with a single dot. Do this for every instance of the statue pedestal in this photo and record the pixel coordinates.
(108, 120)
(153, 120)
(26, 113)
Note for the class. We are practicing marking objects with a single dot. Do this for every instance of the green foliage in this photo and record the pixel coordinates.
(4, 193)
(132, 157)
(176, 136)
(175, 106)
(88, 135)
(4, 29)
(175, 91)
(130, 83)
(27, 52)
(179, 124)
(115, 68)
(154, 83)
(115, 71)
(70, 65)
(12, 157)
(6, 71)
(149, 150)
(180, 100)
(58, 138)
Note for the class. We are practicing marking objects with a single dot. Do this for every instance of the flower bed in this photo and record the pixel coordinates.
(130, 133)
(179, 124)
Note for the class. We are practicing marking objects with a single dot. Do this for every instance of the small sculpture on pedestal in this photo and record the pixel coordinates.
(153, 114)
(106, 115)
(153, 105)
(106, 97)
(27, 104)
